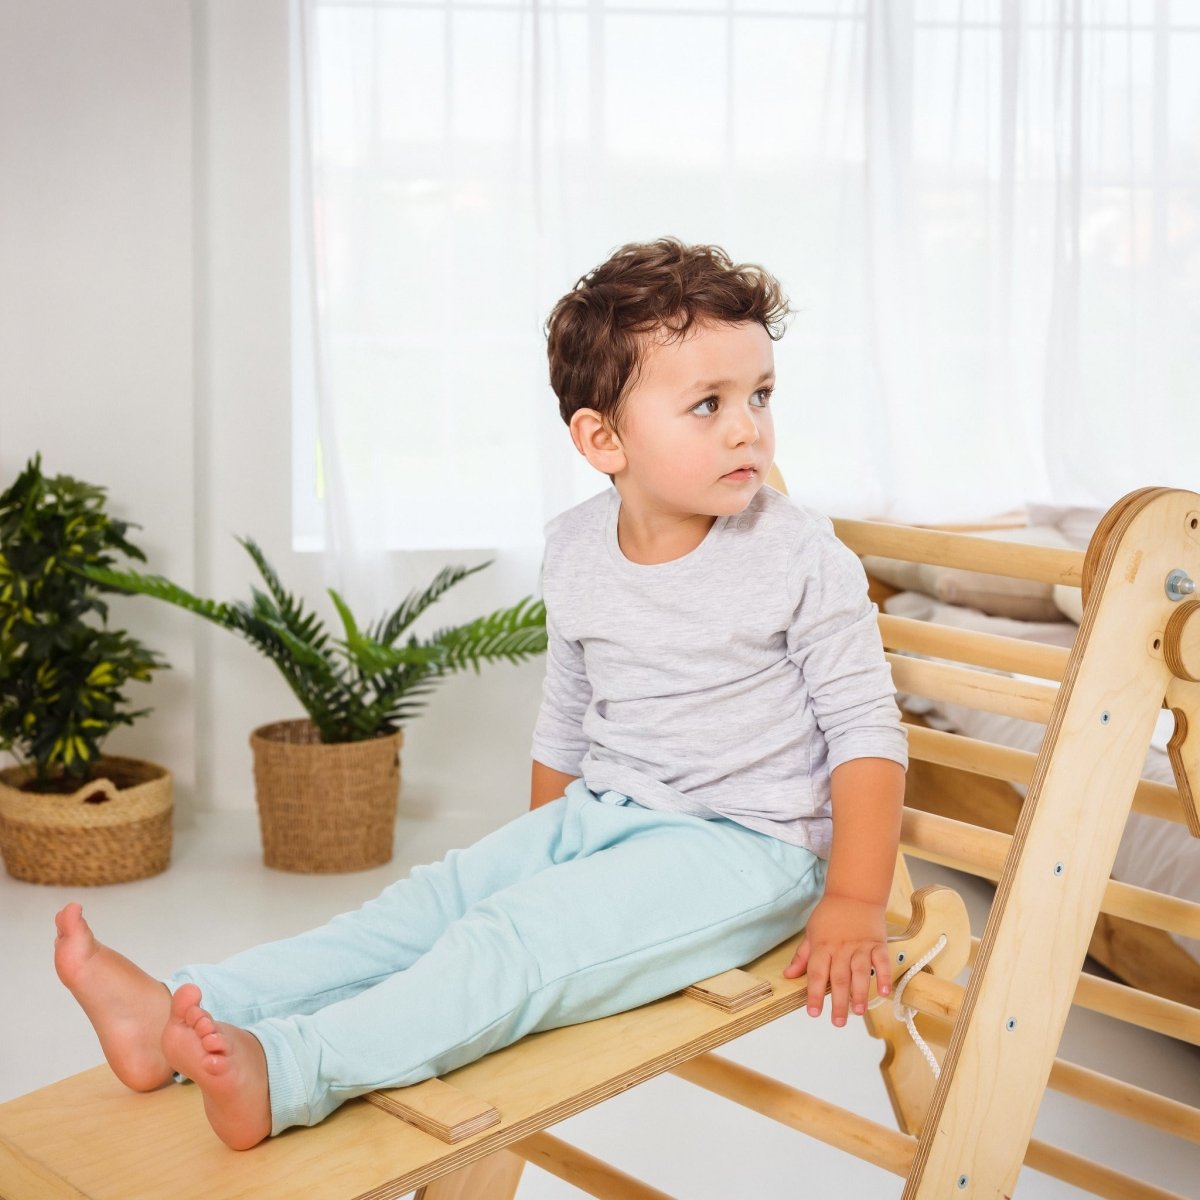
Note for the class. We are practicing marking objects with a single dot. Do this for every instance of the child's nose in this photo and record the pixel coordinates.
(743, 428)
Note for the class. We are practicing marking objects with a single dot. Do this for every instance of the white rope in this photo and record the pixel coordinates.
(906, 1014)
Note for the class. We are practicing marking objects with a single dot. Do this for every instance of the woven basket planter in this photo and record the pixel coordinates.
(325, 808)
(106, 832)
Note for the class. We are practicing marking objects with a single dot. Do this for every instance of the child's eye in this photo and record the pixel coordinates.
(762, 397)
(706, 407)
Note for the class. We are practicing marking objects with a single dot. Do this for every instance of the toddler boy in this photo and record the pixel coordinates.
(718, 758)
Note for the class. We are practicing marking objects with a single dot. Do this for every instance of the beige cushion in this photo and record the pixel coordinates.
(1069, 601)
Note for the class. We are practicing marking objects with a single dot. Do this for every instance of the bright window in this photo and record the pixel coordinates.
(987, 216)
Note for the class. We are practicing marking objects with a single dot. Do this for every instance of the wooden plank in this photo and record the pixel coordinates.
(21, 1176)
(881, 1146)
(976, 689)
(731, 990)
(993, 761)
(582, 1171)
(1161, 1014)
(829, 1123)
(1138, 1104)
(1091, 1176)
(1178, 1019)
(437, 1107)
(970, 646)
(985, 852)
(1013, 559)
(113, 1144)
(107, 1143)
(96, 1133)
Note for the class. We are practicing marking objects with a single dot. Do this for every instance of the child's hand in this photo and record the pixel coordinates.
(844, 940)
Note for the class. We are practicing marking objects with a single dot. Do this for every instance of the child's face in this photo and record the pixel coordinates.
(696, 429)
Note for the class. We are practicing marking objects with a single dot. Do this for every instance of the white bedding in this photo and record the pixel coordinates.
(1154, 853)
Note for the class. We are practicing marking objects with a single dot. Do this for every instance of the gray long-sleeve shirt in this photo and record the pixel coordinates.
(729, 682)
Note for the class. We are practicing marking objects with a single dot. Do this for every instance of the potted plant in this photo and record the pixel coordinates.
(327, 785)
(68, 814)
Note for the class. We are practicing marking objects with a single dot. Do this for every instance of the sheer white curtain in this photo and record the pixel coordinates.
(986, 212)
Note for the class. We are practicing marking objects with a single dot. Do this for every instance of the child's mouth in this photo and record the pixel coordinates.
(741, 474)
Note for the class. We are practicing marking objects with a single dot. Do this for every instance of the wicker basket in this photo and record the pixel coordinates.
(325, 808)
(106, 832)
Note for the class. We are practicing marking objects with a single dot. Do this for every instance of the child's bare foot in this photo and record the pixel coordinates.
(127, 1007)
(226, 1063)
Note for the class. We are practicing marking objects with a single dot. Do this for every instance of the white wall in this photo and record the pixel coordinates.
(96, 300)
(144, 324)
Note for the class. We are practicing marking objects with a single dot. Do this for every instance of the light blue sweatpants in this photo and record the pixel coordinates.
(582, 908)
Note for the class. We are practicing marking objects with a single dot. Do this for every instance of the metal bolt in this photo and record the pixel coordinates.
(1010, 1024)
(962, 1182)
(1059, 868)
(901, 956)
(1179, 585)
(1105, 717)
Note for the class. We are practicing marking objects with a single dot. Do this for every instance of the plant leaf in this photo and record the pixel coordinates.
(390, 628)
(514, 634)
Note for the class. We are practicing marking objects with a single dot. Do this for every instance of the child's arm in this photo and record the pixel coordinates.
(547, 784)
(847, 935)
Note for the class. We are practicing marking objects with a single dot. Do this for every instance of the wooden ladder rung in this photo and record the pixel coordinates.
(984, 852)
(582, 1170)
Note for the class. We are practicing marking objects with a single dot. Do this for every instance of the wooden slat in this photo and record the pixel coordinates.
(818, 1118)
(941, 998)
(438, 1108)
(954, 843)
(971, 646)
(1091, 1176)
(582, 1170)
(1016, 766)
(1013, 559)
(1115, 1095)
(1172, 1018)
(976, 689)
(879, 1145)
(985, 852)
(1123, 1003)
(731, 990)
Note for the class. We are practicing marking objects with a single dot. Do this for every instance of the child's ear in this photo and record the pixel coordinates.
(597, 441)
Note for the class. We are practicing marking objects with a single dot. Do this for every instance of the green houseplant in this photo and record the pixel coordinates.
(68, 814)
(327, 785)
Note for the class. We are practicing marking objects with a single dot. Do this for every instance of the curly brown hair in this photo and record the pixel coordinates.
(596, 334)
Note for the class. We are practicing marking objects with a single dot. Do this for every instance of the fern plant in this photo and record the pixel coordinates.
(370, 680)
